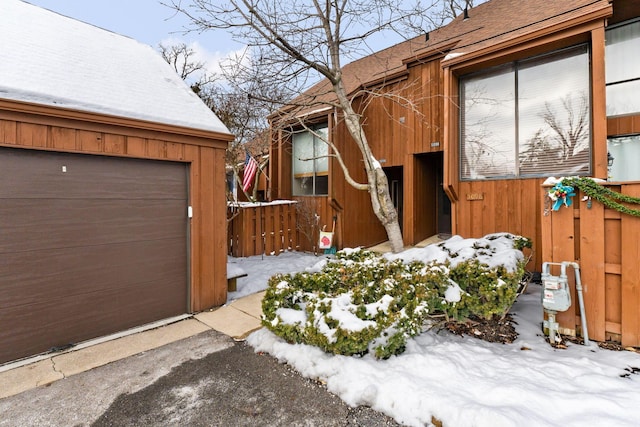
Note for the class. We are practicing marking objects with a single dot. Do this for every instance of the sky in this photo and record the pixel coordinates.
(151, 22)
(463, 381)
(147, 21)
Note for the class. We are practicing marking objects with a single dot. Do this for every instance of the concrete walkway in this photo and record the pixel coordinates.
(237, 320)
(385, 247)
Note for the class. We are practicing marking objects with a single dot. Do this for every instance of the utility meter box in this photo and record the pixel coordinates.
(555, 291)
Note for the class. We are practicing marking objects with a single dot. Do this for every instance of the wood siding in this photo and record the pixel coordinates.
(606, 245)
(624, 125)
(511, 206)
(405, 117)
(268, 229)
(396, 133)
(44, 128)
(358, 224)
(429, 118)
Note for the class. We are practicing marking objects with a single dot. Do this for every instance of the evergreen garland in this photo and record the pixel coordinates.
(604, 195)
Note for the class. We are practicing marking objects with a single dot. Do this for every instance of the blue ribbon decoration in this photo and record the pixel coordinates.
(561, 195)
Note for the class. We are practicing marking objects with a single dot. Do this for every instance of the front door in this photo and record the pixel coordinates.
(443, 204)
(394, 176)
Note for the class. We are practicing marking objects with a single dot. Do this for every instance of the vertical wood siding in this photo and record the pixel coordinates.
(406, 117)
(606, 244)
(511, 206)
(205, 158)
(625, 125)
(357, 223)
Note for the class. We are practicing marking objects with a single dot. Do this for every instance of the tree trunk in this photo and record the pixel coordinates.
(383, 206)
(377, 179)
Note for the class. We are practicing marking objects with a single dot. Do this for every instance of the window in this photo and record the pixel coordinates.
(623, 69)
(311, 162)
(528, 118)
(624, 152)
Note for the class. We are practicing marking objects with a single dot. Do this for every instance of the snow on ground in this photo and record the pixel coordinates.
(260, 268)
(464, 381)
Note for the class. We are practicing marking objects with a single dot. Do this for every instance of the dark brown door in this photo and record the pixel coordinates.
(443, 203)
(89, 245)
(394, 177)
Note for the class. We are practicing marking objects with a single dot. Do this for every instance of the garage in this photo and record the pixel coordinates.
(112, 186)
(95, 245)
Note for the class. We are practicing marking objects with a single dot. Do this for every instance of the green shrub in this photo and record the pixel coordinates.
(361, 302)
(486, 292)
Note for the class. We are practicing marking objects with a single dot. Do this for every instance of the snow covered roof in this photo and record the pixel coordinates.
(51, 59)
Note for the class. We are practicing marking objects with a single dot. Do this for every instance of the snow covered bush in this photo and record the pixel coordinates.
(489, 278)
(358, 303)
(361, 302)
(485, 292)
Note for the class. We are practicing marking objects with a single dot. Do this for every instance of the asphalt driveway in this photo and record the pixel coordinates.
(205, 380)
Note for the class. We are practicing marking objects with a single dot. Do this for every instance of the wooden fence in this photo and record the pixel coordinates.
(262, 228)
(606, 244)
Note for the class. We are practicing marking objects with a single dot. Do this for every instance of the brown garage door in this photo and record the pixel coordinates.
(89, 245)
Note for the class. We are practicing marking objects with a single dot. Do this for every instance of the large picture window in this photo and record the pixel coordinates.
(311, 162)
(623, 69)
(528, 118)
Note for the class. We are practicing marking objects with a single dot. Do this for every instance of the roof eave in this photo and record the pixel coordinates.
(100, 119)
(581, 22)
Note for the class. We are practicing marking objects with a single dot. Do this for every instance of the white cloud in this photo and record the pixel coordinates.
(211, 59)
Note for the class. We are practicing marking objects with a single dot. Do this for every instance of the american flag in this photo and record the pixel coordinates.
(250, 169)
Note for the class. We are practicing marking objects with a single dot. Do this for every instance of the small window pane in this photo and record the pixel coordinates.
(303, 186)
(488, 125)
(623, 69)
(623, 98)
(322, 151)
(302, 153)
(310, 162)
(625, 151)
(622, 47)
(322, 185)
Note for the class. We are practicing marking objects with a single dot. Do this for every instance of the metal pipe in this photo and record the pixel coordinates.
(552, 326)
(583, 315)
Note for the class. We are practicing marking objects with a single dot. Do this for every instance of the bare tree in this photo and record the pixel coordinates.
(243, 101)
(183, 60)
(298, 41)
(236, 95)
(560, 145)
(570, 126)
(537, 150)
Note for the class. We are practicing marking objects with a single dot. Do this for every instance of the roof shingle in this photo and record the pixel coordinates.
(489, 24)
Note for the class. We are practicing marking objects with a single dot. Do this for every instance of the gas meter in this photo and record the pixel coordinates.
(556, 295)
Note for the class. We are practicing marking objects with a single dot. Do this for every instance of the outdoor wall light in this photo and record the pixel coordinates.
(610, 159)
